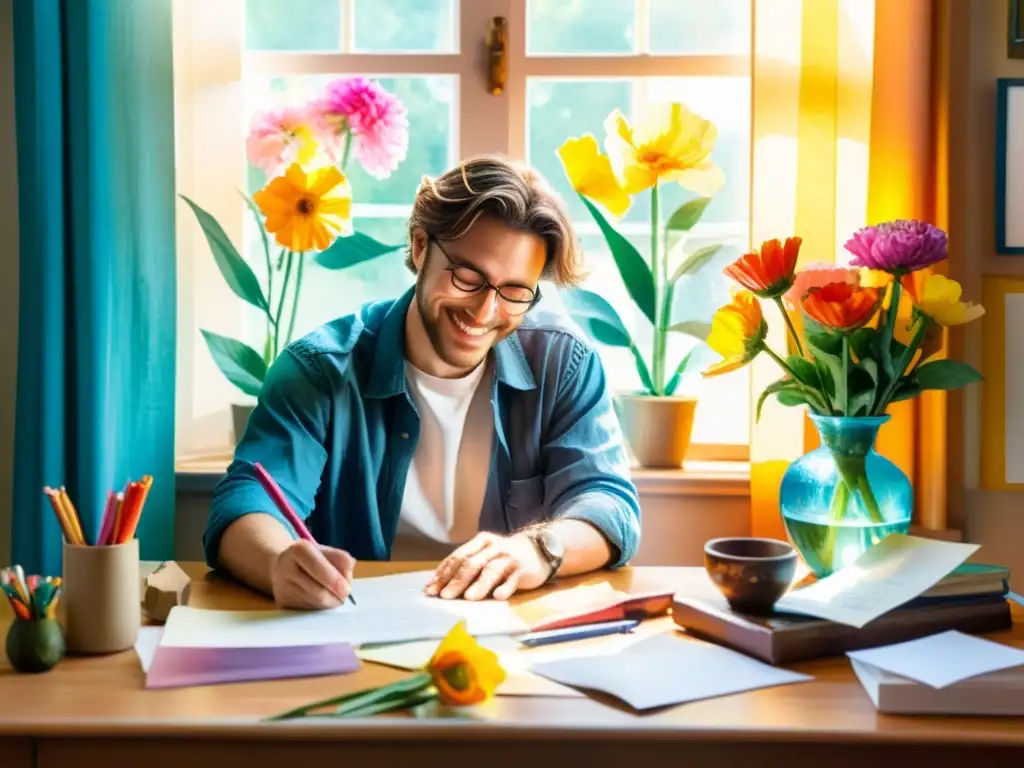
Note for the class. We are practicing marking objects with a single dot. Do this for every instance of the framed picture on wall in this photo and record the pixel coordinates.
(1010, 166)
(1015, 29)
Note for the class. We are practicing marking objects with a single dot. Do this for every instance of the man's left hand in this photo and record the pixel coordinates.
(490, 565)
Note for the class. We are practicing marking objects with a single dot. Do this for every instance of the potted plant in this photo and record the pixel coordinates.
(670, 145)
(871, 334)
(307, 207)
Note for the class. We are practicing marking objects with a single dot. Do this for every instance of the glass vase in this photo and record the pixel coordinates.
(843, 497)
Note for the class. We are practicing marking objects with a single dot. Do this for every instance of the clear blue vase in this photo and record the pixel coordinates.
(843, 497)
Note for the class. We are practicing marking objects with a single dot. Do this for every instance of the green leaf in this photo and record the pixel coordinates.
(634, 270)
(946, 374)
(907, 389)
(695, 261)
(862, 400)
(418, 682)
(241, 364)
(821, 337)
(670, 388)
(408, 701)
(864, 343)
(696, 328)
(804, 370)
(833, 364)
(353, 249)
(642, 369)
(774, 388)
(237, 273)
(393, 694)
(686, 216)
(791, 398)
(597, 317)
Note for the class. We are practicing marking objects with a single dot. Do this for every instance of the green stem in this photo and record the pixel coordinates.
(660, 310)
(295, 299)
(890, 323)
(280, 303)
(348, 148)
(812, 394)
(908, 354)
(789, 324)
(399, 691)
(846, 375)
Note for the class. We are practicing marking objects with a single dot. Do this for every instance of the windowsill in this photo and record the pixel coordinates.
(200, 474)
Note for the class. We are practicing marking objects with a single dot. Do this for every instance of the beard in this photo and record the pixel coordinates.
(442, 332)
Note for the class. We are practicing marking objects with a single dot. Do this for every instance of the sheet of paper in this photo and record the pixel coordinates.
(942, 659)
(146, 644)
(483, 617)
(202, 628)
(667, 669)
(892, 572)
(514, 658)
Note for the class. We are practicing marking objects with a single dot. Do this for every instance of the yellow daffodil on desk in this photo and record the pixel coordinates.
(460, 673)
(667, 145)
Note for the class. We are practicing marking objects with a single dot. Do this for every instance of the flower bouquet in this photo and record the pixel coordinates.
(306, 205)
(460, 673)
(670, 144)
(871, 334)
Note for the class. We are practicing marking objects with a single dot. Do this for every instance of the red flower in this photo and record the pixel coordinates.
(768, 273)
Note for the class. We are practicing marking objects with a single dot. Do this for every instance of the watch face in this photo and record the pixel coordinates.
(552, 543)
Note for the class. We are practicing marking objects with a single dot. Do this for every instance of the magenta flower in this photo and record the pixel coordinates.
(377, 120)
(279, 137)
(903, 245)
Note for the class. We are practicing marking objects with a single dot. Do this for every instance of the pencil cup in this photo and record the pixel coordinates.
(102, 612)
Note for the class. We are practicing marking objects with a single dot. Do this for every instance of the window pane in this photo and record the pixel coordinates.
(579, 26)
(700, 26)
(293, 25)
(559, 109)
(405, 26)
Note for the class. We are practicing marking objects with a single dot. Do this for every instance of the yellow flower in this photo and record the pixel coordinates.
(670, 144)
(590, 174)
(307, 212)
(737, 333)
(463, 672)
(938, 297)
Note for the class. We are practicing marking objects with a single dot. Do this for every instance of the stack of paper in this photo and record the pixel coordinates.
(944, 673)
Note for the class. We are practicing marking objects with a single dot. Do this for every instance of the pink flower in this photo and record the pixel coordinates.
(377, 120)
(279, 137)
(898, 247)
(818, 275)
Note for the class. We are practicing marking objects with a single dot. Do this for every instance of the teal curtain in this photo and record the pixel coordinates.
(94, 108)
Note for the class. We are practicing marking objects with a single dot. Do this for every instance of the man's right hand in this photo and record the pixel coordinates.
(312, 577)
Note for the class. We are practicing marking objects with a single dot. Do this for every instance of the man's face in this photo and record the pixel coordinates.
(462, 315)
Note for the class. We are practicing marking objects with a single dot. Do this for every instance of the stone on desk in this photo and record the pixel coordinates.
(165, 588)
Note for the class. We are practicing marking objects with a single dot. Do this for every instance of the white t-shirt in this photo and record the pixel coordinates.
(447, 479)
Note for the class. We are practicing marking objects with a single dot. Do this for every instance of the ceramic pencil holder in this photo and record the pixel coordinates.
(101, 599)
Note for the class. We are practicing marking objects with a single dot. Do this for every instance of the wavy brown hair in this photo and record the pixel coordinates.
(509, 192)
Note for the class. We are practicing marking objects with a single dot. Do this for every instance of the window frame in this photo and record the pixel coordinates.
(211, 65)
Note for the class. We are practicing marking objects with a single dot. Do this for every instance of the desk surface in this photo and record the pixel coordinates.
(104, 696)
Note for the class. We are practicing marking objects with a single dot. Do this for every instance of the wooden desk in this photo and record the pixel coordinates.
(95, 712)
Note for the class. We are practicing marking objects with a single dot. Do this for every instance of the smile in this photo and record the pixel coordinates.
(469, 330)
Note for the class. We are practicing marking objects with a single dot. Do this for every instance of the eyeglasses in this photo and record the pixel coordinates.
(517, 298)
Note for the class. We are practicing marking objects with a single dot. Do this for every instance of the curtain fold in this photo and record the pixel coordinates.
(844, 135)
(96, 347)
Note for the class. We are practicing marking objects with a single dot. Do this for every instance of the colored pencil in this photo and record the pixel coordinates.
(72, 515)
(39, 602)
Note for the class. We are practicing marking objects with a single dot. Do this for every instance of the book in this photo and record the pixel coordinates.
(972, 579)
(782, 638)
(994, 694)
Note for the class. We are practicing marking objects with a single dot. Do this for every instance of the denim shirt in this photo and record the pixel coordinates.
(336, 428)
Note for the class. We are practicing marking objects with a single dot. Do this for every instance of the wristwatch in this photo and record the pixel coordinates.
(551, 548)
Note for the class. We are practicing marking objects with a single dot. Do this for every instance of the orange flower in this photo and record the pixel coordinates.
(841, 306)
(768, 273)
(464, 673)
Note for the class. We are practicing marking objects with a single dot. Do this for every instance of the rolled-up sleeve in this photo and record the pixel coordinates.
(285, 434)
(587, 466)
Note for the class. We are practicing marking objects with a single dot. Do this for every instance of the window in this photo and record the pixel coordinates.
(570, 62)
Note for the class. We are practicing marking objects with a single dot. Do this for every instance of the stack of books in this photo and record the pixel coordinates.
(971, 599)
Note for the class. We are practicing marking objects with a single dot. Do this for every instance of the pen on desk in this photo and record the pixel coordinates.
(277, 496)
(565, 634)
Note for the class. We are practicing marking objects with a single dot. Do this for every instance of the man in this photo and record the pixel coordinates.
(459, 419)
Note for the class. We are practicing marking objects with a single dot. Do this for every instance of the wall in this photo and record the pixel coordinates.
(8, 273)
(993, 517)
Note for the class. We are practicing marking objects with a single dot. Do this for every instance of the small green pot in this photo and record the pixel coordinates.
(35, 646)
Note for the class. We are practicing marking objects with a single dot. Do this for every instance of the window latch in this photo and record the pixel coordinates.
(497, 55)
